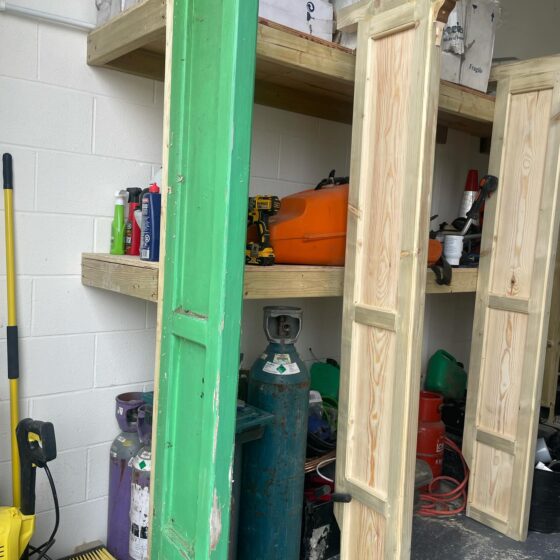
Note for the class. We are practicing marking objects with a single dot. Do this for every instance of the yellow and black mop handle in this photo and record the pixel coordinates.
(11, 329)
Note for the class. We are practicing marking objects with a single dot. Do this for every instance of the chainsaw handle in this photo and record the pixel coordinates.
(332, 181)
(7, 171)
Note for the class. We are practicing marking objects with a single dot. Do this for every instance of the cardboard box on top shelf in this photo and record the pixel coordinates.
(346, 39)
(468, 43)
(309, 16)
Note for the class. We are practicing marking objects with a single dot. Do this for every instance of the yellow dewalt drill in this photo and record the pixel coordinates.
(261, 207)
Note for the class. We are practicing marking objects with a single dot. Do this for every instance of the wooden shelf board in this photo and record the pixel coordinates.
(122, 274)
(133, 277)
(295, 71)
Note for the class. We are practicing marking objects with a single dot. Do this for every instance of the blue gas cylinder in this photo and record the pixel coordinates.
(273, 467)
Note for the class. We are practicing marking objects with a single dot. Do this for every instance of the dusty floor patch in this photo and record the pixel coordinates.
(465, 539)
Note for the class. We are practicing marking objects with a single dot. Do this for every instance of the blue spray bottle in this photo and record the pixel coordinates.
(151, 215)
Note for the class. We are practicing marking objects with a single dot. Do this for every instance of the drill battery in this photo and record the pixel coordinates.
(259, 251)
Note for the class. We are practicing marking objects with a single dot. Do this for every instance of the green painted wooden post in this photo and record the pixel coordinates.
(213, 65)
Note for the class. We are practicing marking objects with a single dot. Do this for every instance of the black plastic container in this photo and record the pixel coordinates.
(545, 502)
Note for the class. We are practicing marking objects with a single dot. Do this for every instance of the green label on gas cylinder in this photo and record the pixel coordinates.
(281, 369)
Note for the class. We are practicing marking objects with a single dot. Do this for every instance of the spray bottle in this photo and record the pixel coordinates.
(118, 225)
(132, 239)
(151, 214)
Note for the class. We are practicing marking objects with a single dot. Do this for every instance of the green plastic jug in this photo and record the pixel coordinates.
(446, 376)
(325, 378)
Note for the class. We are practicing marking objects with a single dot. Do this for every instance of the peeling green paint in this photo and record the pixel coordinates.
(213, 66)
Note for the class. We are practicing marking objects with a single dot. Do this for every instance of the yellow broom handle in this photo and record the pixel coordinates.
(12, 336)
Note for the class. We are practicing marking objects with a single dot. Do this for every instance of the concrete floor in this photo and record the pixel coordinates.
(462, 538)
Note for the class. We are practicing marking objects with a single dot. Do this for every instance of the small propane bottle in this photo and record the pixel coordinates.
(431, 431)
(124, 447)
(151, 216)
(140, 488)
(132, 237)
(273, 467)
(118, 225)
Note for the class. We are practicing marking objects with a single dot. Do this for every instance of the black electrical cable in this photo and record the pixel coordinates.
(44, 548)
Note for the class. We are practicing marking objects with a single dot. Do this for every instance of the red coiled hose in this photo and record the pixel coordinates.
(438, 504)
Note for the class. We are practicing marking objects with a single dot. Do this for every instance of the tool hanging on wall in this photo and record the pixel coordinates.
(11, 328)
(37, 446)
(260, 251)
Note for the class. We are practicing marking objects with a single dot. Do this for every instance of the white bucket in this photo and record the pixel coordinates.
(453, 249)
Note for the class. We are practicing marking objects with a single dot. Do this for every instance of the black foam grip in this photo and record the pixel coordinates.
(13, 352)
(8, 173)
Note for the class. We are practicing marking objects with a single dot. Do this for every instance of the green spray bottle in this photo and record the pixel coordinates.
(118, 227)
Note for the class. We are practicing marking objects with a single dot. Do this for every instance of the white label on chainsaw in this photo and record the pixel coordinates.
(139, 514)
(281, 369)
(282, 359)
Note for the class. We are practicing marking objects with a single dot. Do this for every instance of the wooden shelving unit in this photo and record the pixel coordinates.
(295, 71)
(133, 277)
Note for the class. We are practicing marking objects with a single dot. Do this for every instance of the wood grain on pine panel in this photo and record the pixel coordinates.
(380, 231)
(502, 371)
(492, 480)
(370, 411)
(522, 177)
(364, 533)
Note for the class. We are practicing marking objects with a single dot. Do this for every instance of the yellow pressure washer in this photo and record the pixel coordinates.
(33, 443)
(11, 329)
(37, 446)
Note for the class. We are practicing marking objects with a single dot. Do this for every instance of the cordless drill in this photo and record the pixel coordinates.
(261, 207)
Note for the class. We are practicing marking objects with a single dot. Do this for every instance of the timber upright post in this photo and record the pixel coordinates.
(393, 145)
(210, 72)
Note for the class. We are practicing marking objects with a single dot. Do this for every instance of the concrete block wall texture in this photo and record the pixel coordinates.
(77, 134)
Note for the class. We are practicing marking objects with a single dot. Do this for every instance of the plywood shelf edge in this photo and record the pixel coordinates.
(133, 277)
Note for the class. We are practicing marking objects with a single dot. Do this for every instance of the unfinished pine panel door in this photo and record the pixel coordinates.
(395, 112)
(513, 298)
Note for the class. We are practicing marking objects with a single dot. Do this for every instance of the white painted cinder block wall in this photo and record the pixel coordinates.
(77, 134)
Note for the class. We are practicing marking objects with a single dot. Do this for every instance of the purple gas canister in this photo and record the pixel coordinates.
(124, 447)
(140, 488)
